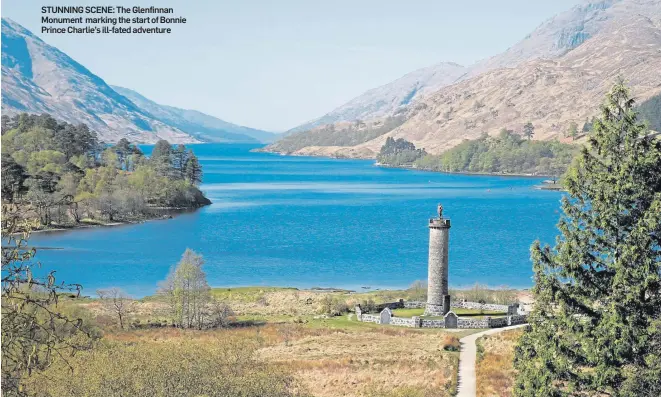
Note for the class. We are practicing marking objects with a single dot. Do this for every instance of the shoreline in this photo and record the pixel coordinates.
(335, 290)
(410, 168)
(170, 214)
(514, 175)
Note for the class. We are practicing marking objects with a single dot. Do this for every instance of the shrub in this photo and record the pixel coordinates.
(339, 307)
(368, 305)
(451, 343)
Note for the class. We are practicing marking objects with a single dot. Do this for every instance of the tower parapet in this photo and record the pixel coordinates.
(438, 297)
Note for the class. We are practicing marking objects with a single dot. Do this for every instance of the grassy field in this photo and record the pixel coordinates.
(336, 356)
(327, 355)
(494, 370)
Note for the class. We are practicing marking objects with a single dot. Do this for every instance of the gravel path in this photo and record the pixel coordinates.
(467, 383)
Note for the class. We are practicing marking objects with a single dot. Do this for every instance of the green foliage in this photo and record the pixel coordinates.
(528, 130)
(341, 135)
(224, 367)
(192, 170)
(399, 152)
(573, 130)
(506, 153)
(47, 161)
(333, 305)
(596, 326)
(60, 168)
(13, 178)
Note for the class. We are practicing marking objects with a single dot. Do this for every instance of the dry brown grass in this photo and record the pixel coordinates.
(294, 302)
(368, 362)
(328, 356)
(495, 371)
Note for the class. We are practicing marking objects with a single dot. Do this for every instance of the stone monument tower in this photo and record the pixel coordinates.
(438, 298)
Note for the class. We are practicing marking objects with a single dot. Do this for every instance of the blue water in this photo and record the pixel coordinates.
(313, 222)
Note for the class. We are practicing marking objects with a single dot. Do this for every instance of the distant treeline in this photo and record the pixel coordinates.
(62, 174)
(506, 153)
(399, 152)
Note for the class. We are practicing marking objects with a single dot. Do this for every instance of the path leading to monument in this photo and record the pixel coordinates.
(467, 382)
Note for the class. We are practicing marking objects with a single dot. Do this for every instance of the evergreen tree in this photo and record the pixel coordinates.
(180, 159)
(13, 177)
(123, 149)
(573, 130)
(193, 169)
(161, 157)
(596, 326)
(528, 130)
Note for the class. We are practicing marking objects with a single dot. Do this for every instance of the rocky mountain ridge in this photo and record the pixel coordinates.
(555, 76)
(39, 78)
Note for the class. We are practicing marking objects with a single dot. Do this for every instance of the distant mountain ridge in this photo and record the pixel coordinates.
(557, 75)
(551, 39)
(39, 78)
(201, 126)
(390, 98)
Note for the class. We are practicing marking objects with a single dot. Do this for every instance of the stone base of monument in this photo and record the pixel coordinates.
(438, 310)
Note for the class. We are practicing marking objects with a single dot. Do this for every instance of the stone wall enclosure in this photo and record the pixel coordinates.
(450, 320)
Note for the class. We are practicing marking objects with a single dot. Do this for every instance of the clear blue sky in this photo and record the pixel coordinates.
(276, 64)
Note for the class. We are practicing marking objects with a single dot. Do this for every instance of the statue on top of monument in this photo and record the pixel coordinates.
(440, 211)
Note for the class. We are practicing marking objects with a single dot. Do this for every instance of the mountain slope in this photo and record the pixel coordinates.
(389, 98)
(202, 126)
(560, 74)
(553, 38)
(38, 78)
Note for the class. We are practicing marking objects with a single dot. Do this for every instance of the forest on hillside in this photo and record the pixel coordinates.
(507, 153)
(61, 174)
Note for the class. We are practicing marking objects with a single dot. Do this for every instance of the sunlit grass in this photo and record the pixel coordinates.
(494, 370)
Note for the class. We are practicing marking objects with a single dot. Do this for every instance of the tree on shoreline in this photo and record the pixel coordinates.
(596, 326)
(187, 291)
(61, 173)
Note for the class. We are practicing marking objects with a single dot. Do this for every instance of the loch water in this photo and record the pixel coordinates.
(315, 222)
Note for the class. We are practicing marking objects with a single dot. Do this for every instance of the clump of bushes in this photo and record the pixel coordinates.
(399, 152)
(333, 306)
(451, 343)
(368, 305)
